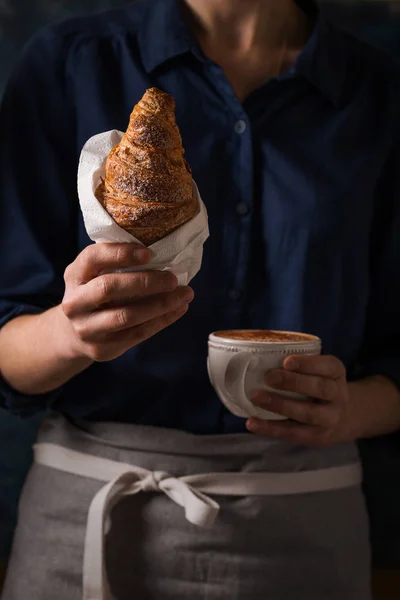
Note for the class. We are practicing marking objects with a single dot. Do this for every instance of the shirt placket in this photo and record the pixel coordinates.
(239, 208)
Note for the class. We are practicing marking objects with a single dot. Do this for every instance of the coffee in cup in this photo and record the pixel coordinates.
(239, 359)
(263, 335)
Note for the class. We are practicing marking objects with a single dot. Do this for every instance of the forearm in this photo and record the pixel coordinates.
(37, 353)
(374, 408)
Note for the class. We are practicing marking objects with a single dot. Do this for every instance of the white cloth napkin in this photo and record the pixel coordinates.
(180, 252)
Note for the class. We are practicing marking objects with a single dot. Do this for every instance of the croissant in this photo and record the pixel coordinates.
(148, 187)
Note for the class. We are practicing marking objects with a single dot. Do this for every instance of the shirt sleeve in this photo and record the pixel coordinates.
(381, 354)
(38, 199)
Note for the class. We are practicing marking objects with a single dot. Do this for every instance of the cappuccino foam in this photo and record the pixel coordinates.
(264, 335)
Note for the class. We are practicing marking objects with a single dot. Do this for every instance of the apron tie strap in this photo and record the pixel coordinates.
(151, 483)
(199, 508)
(125, 479)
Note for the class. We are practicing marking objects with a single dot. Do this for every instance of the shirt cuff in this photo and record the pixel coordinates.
(23, 405)
(10, 311)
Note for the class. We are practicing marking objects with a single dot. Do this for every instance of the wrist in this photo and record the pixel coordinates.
(67, 347)
(374, 408)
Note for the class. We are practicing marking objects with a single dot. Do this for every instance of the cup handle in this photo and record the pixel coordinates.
(229, 381)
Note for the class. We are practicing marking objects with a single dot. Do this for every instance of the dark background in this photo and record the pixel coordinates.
(375, 21)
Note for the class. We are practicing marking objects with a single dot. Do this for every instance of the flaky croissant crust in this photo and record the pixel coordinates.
(148, 187)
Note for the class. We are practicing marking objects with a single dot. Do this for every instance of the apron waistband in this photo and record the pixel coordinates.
(190, 492)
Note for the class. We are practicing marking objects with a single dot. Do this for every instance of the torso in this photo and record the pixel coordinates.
(289, 179)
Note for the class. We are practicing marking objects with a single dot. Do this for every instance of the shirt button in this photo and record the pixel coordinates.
(240, 126)
(235, 295)
(242, 209)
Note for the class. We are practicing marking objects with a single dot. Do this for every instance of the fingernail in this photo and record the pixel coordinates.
(143, 255)
(170, 280)
(255, 396)
(261, 399)
(187, 294)
(183, 309)
(291, 363)
(252, 425)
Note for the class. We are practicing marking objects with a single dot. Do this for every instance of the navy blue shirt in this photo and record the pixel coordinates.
(301, 182)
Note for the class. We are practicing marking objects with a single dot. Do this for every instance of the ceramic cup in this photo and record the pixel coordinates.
(239, 359)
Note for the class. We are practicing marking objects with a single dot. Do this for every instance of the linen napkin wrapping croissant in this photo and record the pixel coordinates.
(137, 187)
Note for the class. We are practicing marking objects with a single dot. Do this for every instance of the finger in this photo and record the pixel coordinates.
(99, 258)
(322, 366)
(290, 432)
(114, 287)
(118, 343)
(306, 385)
(151, 328)
(301, 411)
(96, 326)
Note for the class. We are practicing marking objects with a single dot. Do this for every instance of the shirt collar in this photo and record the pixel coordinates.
(309, 6)
(164, 35)
(323, 61)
